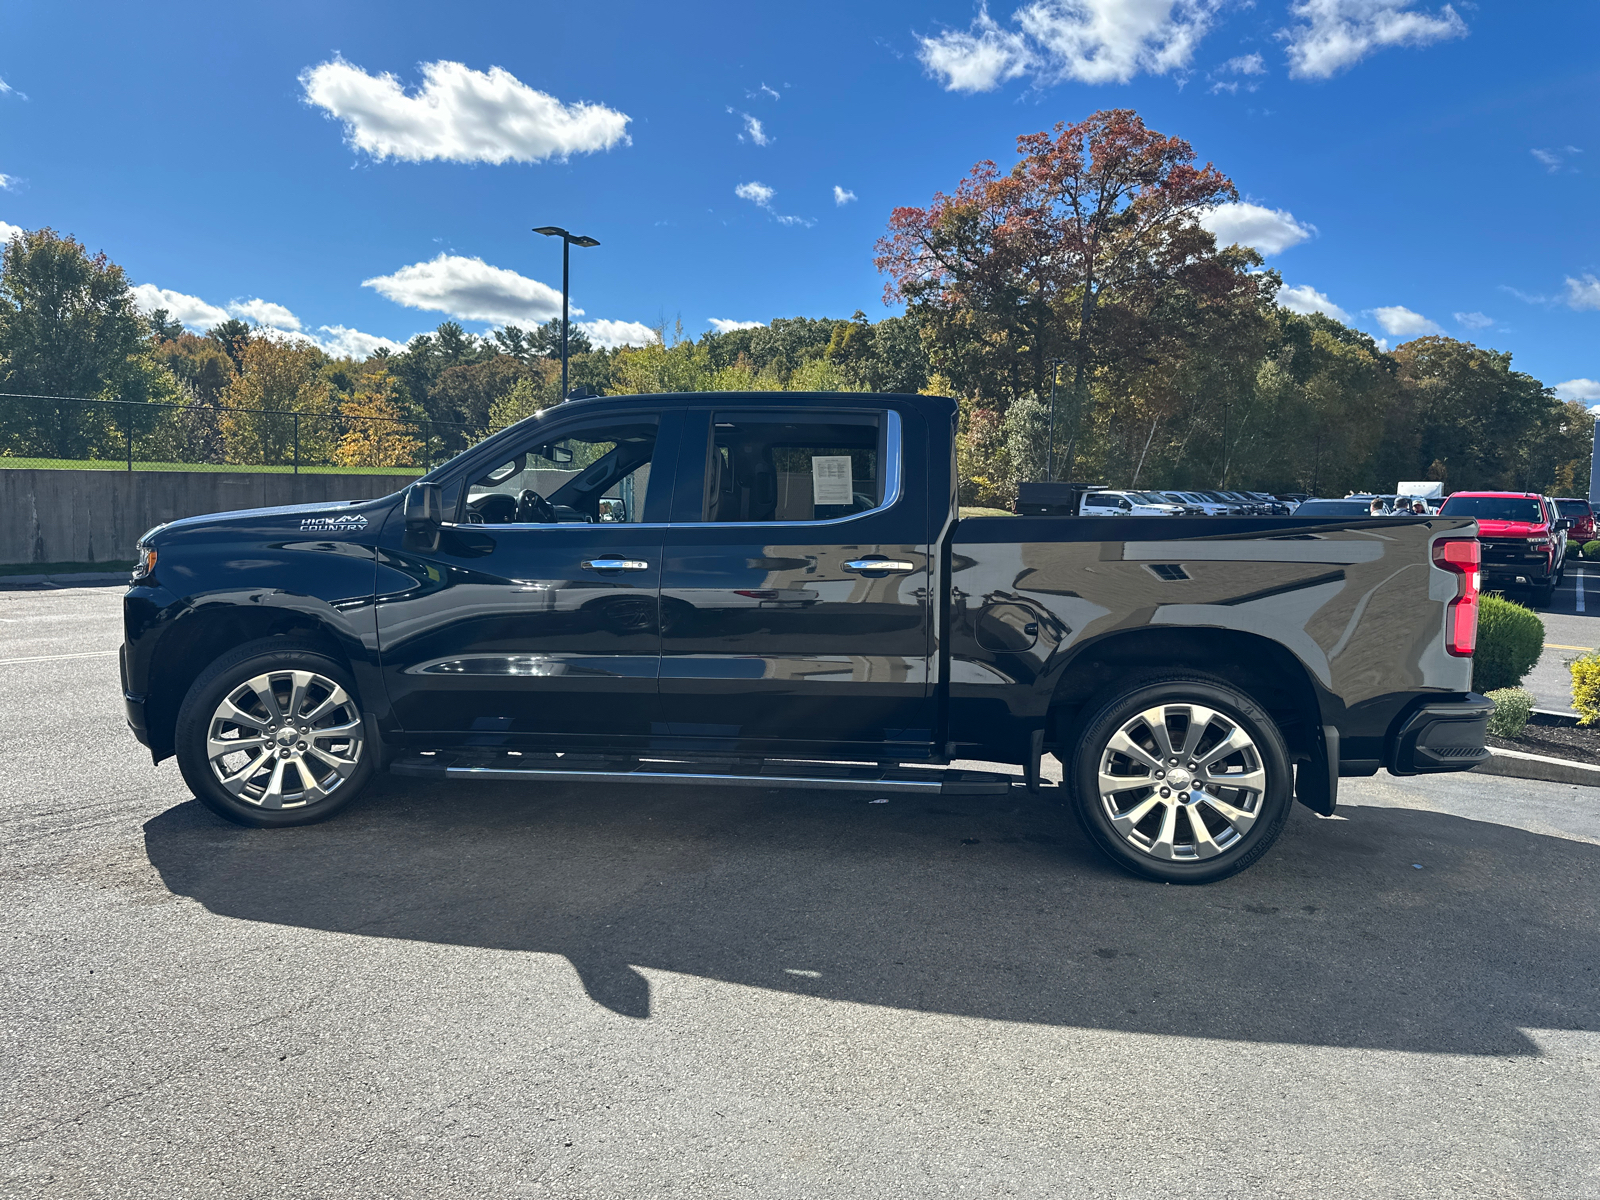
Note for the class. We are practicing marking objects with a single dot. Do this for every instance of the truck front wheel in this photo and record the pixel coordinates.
(1182, 779)
(271, 735)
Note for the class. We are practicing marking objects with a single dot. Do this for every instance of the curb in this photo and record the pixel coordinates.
(1518, 765)
(82, 579)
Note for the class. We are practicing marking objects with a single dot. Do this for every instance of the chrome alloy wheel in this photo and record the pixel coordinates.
(1181, 782)
(285, 739)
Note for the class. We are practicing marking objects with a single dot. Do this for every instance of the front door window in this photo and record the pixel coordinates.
(597, 476)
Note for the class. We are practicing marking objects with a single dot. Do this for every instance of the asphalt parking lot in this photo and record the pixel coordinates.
(485, 991)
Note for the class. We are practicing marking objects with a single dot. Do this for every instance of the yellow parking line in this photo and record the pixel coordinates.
(1554, 646)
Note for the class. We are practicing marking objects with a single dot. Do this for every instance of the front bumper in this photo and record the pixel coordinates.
(133, 703)
(1442, 736)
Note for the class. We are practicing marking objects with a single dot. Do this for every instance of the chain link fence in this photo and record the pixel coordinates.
(66, 432)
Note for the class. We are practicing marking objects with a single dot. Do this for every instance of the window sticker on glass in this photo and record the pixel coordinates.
(831, 482)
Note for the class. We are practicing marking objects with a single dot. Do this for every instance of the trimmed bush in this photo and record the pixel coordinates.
(1574, 549)
(1586, 686)
(1512, 708)
(1510, 640)
(1591, 549)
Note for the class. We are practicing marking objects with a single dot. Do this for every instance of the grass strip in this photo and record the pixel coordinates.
(109, 464)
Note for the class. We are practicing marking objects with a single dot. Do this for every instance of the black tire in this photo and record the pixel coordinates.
(1544, 595)
(330, 765)
(1216, 849)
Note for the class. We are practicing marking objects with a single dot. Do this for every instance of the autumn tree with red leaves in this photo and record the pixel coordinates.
(1064, 259)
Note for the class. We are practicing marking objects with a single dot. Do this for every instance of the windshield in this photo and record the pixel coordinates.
(1149, 498)
(1495, 508)
(1333, 508)
(1574, 508)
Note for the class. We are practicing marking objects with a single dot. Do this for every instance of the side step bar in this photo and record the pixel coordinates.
(573, 768)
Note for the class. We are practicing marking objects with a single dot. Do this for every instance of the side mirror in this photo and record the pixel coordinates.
(1563, 523)
(424, 516)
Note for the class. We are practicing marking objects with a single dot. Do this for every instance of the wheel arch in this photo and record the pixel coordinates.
(1263, 669)
(205, 631)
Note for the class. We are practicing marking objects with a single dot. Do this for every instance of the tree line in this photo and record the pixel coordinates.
(1074, 305)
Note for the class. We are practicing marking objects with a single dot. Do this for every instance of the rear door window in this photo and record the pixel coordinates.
(793, 466)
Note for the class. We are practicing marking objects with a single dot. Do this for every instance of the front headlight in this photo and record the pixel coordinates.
(144, 561)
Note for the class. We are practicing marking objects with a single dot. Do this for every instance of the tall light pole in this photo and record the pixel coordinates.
(568, 240)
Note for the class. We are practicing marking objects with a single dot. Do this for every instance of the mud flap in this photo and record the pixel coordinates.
(1031, 770)
(1316, 782)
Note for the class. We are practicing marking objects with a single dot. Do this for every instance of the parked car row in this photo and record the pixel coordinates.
(1523, 536)
(1106, 502)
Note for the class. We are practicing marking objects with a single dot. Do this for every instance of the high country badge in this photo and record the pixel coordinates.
(350, 523)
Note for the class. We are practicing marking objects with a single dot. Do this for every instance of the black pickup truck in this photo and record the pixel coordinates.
(776, 590)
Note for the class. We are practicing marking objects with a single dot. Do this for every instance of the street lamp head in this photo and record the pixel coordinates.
(572, 238)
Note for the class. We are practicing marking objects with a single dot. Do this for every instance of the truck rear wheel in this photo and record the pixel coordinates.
(1182, 779)
(271, 735)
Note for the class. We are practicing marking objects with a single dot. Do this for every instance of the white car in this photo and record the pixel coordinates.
(1129, 504)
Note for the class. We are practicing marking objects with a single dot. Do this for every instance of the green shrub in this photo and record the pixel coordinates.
(1574, 550)
(1591, 549)
(1512, 707)
(1510, 640)
(1586, 686)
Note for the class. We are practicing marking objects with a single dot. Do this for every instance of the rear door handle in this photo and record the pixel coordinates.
(615, 564)
(879, 564)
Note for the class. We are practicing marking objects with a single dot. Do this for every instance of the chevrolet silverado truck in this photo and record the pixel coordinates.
(776, 590)
(1522, 538)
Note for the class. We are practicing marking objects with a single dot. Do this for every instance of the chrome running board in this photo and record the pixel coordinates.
(772, 773)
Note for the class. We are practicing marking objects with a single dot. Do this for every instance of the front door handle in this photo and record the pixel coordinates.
(879, 564)
(615, 564)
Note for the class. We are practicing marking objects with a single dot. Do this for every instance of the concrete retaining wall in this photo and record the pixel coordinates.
(96, 516)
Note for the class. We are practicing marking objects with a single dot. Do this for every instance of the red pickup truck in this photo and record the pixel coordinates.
(1523, 536)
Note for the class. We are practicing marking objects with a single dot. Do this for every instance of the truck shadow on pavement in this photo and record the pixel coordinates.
(992, 908)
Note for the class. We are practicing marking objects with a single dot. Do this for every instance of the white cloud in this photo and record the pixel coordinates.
(1474, 320)
(265, 312)
(7, 232)
(1244, 64)
(763, 90)
(756, 193)
(724, 325)
(459, 114)
(343, 342)
(7, 90)
(761, 196)
(470, 289)
(977, 60)
(6, 181)
(191, 310)
(753, 131)
(1336, 34)
(1305, 300)
(1583, 293)
(610, 334)
(1554, 160)
(1579, 389)
(1111, 41)
(1089, 41)
(1271, 231)
(842, 196)
(1399, 321)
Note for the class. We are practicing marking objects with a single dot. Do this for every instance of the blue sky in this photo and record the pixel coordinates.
(1414, 166)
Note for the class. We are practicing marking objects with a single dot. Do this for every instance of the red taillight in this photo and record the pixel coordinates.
(1461, 557)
